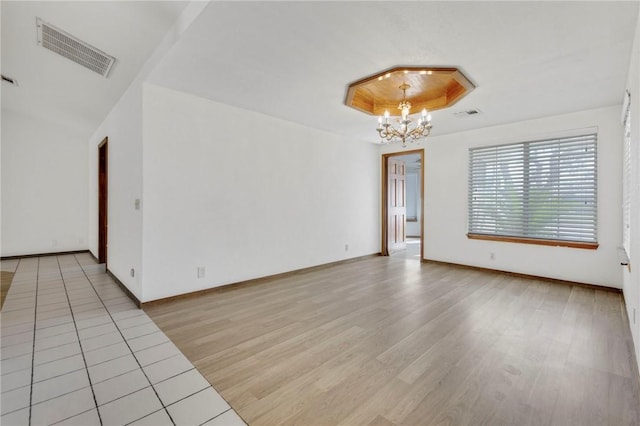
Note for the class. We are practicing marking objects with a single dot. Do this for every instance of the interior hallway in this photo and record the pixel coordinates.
(412, 252)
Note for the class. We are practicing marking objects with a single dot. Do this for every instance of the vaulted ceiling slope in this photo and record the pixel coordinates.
(54, 89)
(293, 60)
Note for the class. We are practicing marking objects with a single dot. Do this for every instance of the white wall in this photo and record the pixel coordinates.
(44, 183)
(246, 195)
(123, 127)
(631, 280)
(445, 215)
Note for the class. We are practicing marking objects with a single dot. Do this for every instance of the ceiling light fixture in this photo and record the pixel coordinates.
(389, 134)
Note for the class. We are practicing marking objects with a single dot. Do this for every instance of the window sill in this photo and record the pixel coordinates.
(520, 240)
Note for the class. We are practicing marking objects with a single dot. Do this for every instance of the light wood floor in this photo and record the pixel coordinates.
(388, 341)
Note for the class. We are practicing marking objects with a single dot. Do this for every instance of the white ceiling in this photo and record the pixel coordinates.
(55, 89)
(294, 60)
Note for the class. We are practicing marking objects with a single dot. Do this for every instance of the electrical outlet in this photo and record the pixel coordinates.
(492, 256)
(54, 243)
(136, 204)
(346, 247)
(132, 272)
(201, 271)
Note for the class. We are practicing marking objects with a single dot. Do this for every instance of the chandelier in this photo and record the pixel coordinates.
(404, 132)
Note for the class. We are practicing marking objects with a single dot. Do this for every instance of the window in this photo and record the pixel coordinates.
(412, 198)
(542, 192)
(626, 175)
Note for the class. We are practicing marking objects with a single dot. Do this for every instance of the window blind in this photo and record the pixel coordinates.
(626, 176)
(544, 189)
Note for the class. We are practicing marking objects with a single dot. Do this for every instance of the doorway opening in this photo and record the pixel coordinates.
(403, 204)
(103, 186)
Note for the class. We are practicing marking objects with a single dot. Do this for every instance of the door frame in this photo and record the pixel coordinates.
(384, 249)
(103, 199)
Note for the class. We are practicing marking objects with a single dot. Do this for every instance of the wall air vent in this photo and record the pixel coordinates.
(78, 51)
(9, 80)
(466, 113)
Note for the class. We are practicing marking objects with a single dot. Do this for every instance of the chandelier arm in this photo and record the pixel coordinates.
(389, 133)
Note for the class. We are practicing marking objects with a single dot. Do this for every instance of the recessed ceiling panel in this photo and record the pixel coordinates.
(429, 88)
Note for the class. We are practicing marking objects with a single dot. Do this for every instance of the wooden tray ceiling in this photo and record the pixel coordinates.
(431, 88)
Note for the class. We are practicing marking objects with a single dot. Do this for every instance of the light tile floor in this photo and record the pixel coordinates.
(76, 350)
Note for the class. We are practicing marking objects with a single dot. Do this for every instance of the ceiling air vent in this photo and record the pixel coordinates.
(78, 51)
(466, 113)
(9, 80)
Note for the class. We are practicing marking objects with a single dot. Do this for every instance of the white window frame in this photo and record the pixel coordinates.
(626, 175)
